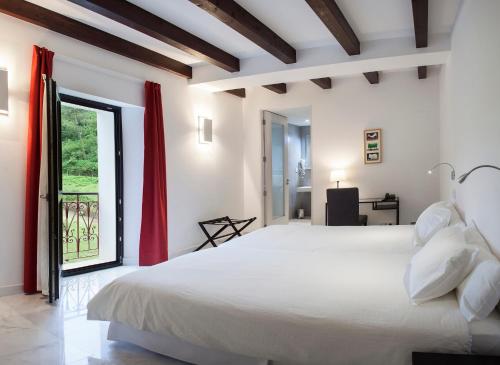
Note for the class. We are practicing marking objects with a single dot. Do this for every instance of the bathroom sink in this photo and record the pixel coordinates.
(303, 189)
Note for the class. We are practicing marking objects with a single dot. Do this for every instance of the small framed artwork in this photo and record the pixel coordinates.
(373, 145)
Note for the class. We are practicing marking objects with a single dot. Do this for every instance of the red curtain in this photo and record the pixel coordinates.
(153, 247)
(41, 64)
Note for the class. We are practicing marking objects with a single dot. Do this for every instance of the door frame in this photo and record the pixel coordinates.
(267, 169)
(54, 187)
(116, 110)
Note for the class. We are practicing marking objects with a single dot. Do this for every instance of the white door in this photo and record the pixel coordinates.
(276, 198)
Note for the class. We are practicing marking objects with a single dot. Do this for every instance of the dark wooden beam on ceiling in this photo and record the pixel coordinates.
(237, 92)
(62, 24)
(236, 17)
(372, 77)
(422, 72)
(143, 21)
(331, 15)
(420, 21)
(324, 82)
(277, 88)
(421, 25)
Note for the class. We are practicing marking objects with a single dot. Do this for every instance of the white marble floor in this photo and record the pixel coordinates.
(34, 332)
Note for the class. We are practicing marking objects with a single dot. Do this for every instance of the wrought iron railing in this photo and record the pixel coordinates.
(80, 226)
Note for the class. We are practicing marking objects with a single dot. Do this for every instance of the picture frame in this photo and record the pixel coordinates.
(372, 139)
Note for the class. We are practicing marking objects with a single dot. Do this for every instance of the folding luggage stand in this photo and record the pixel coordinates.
(225, 222)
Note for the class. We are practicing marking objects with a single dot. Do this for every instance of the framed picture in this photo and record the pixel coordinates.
(373, 145)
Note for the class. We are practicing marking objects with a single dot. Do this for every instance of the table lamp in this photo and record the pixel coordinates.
(337, 175)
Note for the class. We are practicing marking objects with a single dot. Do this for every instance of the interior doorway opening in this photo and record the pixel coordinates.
(92, 185)
(287, 166)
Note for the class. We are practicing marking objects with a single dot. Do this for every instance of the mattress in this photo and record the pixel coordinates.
(176, 348)
(293, 295)
(486, 335)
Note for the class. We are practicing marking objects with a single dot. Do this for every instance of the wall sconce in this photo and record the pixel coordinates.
(462, 178)
(443, 163)
(338, 176)
(4, 92)
(204, 130)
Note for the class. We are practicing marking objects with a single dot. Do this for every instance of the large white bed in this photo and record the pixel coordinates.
(288, 295)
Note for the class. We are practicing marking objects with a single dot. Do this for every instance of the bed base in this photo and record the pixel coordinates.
(178, 349)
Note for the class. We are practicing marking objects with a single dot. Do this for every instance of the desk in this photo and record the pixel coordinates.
(377, 204)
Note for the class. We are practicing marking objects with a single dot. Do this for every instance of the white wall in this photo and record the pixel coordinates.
(470, 123)
(203, 181)
(407, 110)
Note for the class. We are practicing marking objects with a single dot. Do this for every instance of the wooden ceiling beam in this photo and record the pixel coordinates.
(145, 22)
(72, 28)
(422, 72)
(277, 88)
(372, 77)
(331, 15)
(421, 22)
(236, 17)
(421, 25)
(324, 82)
(241, 93)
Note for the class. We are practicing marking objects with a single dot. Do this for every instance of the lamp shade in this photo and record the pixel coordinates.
(337, 175)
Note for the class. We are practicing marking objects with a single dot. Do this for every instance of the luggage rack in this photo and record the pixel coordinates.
(224, 222)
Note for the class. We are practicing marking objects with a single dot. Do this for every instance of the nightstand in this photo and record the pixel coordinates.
(428, 358)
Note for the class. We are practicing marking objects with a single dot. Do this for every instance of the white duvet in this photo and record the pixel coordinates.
(292, 294)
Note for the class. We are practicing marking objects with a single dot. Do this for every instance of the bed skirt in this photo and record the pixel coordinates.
(178, 349)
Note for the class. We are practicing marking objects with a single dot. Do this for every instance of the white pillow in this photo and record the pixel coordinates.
(455, 216)
(473, 237)
(481, 292)
(434, 218)
(469, 306)
(440, 265)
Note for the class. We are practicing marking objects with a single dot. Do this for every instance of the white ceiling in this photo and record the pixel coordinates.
(293, 20)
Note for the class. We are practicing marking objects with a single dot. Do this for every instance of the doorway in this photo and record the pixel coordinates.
(287, 166)
(92, 185)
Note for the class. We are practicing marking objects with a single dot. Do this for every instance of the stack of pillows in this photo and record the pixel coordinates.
(453, 256)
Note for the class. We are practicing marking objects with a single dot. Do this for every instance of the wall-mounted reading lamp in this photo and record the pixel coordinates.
(462, 178)
(4, 92)
(204, 130)
(443, 163)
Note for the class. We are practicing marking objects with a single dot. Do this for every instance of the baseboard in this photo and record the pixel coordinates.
(11, 290)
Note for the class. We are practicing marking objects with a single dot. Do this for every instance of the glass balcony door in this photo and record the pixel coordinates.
(92, 185)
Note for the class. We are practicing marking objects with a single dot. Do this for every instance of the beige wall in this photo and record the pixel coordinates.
(203, 181)
(407, 110)
(470, 116)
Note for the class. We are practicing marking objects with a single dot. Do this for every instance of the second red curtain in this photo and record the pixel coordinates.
(153, 246)
(41, 65)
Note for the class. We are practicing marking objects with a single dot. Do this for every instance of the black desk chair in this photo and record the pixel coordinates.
(343, 208)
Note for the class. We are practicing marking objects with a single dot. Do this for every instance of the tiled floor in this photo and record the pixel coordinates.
(34, 332)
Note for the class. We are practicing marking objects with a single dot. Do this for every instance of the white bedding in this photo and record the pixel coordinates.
(310, 295)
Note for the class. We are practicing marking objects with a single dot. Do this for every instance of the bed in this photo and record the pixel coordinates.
(288, 295)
